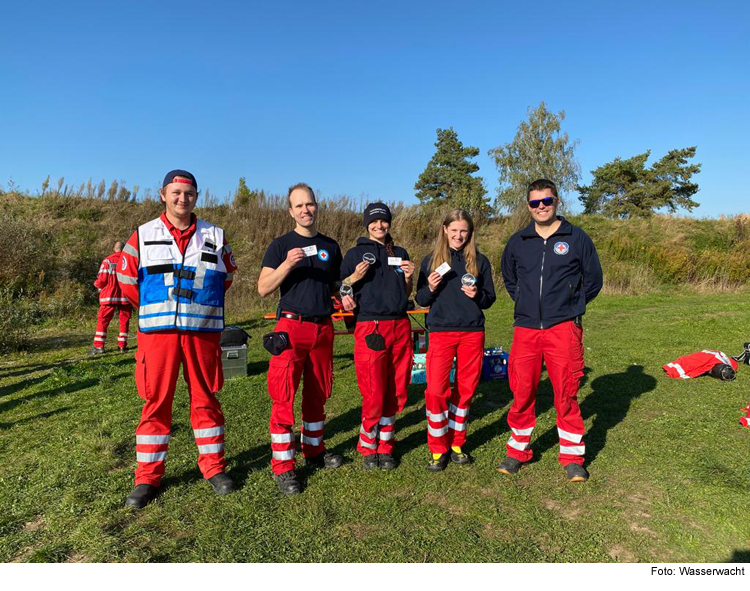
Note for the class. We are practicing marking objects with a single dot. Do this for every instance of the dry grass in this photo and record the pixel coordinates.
(52, 246)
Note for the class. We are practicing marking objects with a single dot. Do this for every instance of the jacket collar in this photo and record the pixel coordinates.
(362, 241)
(530, 230)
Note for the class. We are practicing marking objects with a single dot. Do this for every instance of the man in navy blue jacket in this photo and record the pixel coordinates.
(551, 270)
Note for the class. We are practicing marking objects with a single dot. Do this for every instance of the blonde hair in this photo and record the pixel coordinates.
(441, 252)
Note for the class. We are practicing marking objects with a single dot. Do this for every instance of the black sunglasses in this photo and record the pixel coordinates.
(534, 203)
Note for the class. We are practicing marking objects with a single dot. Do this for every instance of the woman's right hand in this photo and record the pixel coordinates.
(434, 280)
(359, 272)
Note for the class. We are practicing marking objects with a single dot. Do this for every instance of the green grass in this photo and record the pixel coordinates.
(668, 458)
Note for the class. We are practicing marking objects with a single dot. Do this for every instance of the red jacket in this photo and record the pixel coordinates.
(697, 364)
(107, 284)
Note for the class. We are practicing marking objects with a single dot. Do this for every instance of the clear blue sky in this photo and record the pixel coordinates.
(347, 95)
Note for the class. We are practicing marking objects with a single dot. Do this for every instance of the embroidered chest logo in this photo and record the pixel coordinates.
(323, 255)
(561, 248)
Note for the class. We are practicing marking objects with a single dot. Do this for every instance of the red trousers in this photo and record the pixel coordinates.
(158, 362)
(106, 313)
(382, 377)
(561, 350)
(310, 354)
(448, 408)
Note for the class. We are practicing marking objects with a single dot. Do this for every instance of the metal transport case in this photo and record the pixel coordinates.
(234, 361)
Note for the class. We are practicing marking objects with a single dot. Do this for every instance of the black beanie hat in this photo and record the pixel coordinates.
(376, 211)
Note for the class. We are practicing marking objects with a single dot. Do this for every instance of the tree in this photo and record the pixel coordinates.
(626, 188)
(448, 179)
(539, 150)
(243, 196)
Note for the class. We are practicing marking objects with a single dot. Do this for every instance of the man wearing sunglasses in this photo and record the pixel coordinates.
(551, 270)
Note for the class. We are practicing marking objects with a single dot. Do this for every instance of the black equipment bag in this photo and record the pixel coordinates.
(233, 336)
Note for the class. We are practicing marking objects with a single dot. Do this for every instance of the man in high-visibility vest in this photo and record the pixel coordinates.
(111, 300)
(176, 269)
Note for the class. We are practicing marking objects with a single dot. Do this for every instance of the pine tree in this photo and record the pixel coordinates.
(626, 188)
(447, 180)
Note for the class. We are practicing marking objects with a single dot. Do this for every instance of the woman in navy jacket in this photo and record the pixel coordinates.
(380, 278)
(456, 282)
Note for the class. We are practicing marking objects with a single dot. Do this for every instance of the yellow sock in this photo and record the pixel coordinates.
(456, 449)
(437, 456)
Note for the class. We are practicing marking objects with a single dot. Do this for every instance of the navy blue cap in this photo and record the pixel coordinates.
(183, 173)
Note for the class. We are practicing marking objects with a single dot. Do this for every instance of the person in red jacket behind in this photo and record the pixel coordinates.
(176, 269)
(110, 301)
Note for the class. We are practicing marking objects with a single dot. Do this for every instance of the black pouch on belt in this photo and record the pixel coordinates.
(375, 340)
(276, 342)
(723, 372)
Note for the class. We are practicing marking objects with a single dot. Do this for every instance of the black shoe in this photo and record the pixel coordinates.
(325, 460)
(141, 496)
(386, 461)
(96, 350)
(221, 483)
(576, 473)
(439, 464)
(509, 466)
(288, 483)
(370, 462)
(460, 458)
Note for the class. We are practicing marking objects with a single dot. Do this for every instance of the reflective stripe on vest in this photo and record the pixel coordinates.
(176, 291)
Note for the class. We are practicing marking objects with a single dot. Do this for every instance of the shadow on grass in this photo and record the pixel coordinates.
(22, 385)
(74, 387)
(38, 344)
(43, 415)
(21, 370)
(609, 403)
(740, 556)
(256, 368)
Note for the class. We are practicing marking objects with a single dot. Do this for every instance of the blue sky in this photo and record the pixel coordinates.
(347, 95)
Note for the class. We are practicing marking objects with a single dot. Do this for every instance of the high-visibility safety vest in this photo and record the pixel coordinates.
(179, 291)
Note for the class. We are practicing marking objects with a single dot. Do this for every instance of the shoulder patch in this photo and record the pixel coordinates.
(124, 263)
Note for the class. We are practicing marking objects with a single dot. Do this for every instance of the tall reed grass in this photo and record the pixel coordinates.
(52, 245)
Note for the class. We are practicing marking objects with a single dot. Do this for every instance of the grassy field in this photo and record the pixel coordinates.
(669, 461)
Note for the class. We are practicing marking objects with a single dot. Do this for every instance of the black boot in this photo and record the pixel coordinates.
(221, 483)
(386, 461)
(370, 462)
(325, 460)
(288, 483)
(141, 496)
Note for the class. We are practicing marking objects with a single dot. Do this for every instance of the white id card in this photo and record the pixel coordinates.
(310, 251)
(443, 269)
(394, 261)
